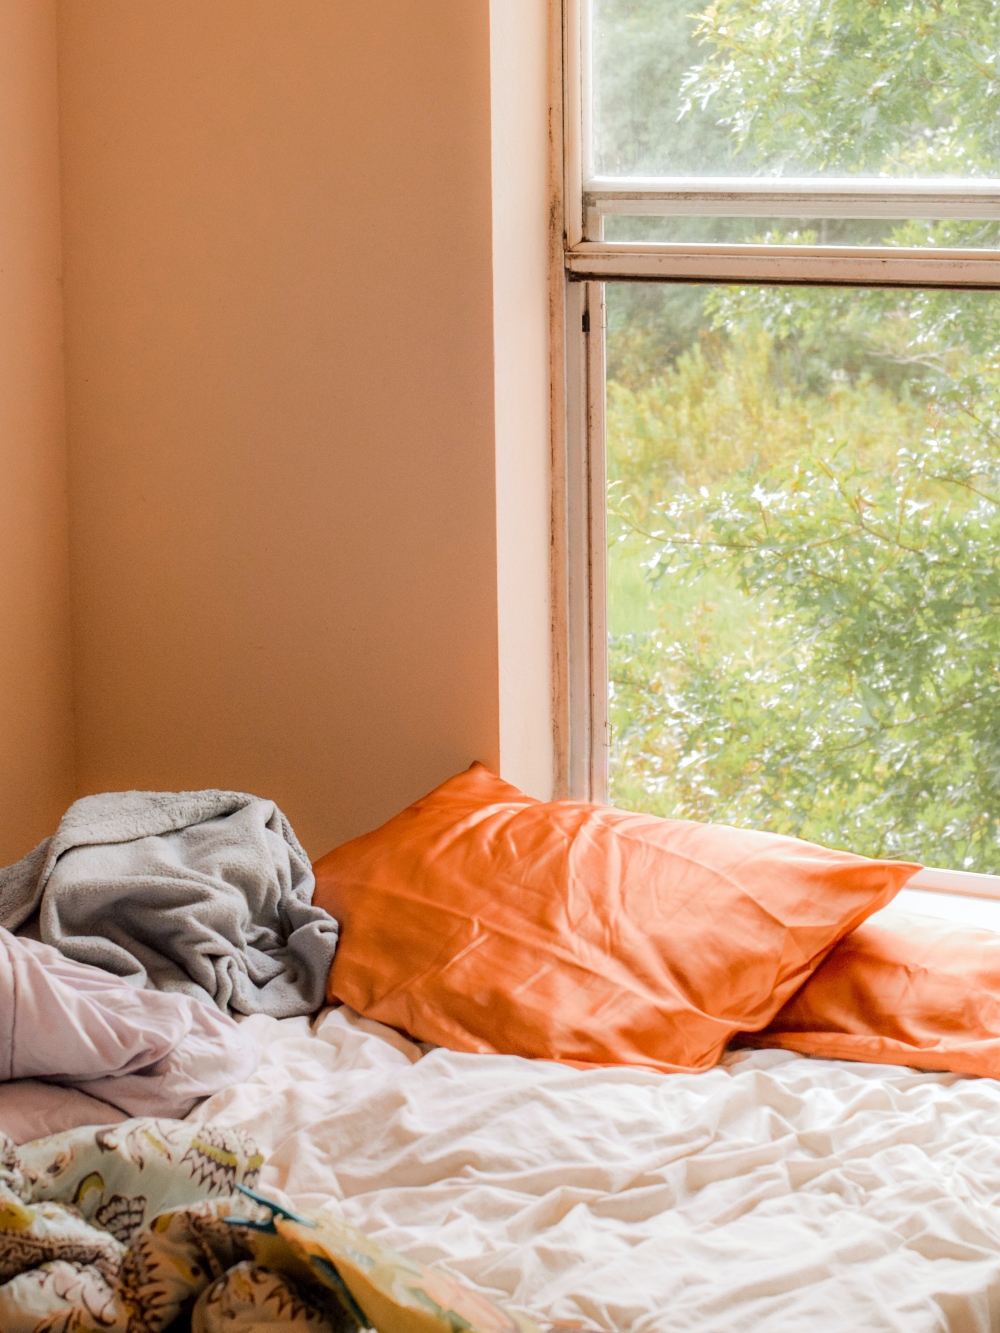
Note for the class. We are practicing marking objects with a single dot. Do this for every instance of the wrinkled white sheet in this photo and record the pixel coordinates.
(143, 1051)
(774, 1193)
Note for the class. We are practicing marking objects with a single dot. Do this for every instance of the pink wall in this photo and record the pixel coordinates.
(277, 233)
(36, 777)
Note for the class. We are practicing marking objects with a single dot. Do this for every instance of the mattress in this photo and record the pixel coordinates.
(774, 1193)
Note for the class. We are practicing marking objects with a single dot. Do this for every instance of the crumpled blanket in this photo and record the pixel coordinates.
(208, 893)
(72, 1204)
(229, 1265)
(142, 1052)
(232, 1279)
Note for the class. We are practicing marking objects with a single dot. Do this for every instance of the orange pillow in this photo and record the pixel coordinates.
(484, 920)
(900, 990)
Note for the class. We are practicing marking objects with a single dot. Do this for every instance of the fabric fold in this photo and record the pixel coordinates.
(141, 1052)
(208, 893)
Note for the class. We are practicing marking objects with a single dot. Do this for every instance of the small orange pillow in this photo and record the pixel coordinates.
(900, 990)
(484, 920)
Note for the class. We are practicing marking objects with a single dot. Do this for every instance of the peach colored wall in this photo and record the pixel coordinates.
(277, 234)
(36, 776)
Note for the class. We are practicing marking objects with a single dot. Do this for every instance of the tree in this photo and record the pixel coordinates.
(897, 87)
(811, 478)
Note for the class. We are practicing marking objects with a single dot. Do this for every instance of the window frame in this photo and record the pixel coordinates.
(586, 261)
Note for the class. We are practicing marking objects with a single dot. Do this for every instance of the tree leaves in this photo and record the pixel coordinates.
(844, 86)
(859, 525)
(809, 477)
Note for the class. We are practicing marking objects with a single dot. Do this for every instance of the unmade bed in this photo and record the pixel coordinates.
(775, 1193)
(582, 1132)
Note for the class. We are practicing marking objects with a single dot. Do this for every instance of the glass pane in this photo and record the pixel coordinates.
(847, 87)
(804, 563)
(963, 234)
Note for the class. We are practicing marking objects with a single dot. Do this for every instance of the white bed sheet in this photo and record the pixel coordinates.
(774, 1193)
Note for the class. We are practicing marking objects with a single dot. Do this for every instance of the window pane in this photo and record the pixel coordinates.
(796, 88)
(804, 563)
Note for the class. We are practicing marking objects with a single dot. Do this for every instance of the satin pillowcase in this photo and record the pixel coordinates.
(903, 989)
(483, 920)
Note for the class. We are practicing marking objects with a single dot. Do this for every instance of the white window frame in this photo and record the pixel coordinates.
(584, 261)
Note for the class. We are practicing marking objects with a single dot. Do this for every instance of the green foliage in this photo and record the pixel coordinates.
(805, 483)
(886, 87)
(813, 487)
(896, 87)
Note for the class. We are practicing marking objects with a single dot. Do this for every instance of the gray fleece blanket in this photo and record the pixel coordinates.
(205, 892)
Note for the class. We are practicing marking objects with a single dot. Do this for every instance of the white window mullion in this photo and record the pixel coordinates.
(575, 682)
(845, 265)
(585, 672)
(598, 505)
(802, 197)
(576, 90)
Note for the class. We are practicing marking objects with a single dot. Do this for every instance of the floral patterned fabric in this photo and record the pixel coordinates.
(71, 1204)
(136, 1228)
(229, 1277)
(312, 1272)
(249, 1297)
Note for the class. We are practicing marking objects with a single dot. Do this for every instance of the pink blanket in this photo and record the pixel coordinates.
(147, 1053)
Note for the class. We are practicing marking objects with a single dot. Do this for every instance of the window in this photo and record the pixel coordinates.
(782, 486)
